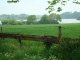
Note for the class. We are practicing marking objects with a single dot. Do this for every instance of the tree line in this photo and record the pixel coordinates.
(70, 15)
(17, 17)
(53, 18)
(65, 15)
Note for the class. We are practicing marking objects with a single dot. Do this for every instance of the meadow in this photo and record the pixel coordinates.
(31, 50)
(68, 30)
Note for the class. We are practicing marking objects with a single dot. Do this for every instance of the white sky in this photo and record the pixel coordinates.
(36, 7)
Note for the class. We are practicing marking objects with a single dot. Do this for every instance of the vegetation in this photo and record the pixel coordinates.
(9, 22)
(54, 18)
(44, 19)
(44, 29)
(70, 15)
(13, 16)
(12, 22)
(31, 19)
(61, 3)
(65, 15)
(51, 19)
(17, 17)
(67, 50)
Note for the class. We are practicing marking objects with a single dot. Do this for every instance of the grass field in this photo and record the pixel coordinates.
(10, 49)
(68, 30)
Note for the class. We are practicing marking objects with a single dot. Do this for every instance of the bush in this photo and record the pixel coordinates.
(70, 50)
(9, 22)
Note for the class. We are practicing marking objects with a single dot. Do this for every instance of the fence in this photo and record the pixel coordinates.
(46, 39)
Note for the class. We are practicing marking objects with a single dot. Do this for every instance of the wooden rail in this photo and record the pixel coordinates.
(51, 39)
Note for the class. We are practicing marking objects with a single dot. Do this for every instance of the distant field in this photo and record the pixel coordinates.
(68, 30)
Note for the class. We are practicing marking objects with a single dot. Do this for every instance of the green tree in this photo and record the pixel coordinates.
(54, 18)
(9, 22)
(58, 18)
(4, 22)
(13, 22)
(21, 22)
(31, 19)
(44, 19)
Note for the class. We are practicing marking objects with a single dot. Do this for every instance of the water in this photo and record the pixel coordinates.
(0, 22)
(70, 21)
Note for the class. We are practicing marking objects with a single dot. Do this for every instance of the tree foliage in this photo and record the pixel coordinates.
(9, 22)
(61, 3)
(58, 18)
(12, 22)
(13, 1)
(31, 19)
(44, 19)
(53, 18)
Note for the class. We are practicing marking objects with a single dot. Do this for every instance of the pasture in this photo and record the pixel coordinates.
(68, 30)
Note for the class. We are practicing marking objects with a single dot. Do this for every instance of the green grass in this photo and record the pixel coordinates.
(68, 30)
(31, 50)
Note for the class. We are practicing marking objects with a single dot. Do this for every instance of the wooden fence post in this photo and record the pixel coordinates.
(20, 43)
(60, 34)
(48, 45)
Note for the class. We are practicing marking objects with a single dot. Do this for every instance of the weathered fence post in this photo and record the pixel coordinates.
(48, 45)
(60, 34)
(20, 43)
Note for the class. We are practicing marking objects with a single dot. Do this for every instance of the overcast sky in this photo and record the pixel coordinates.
(36, 7)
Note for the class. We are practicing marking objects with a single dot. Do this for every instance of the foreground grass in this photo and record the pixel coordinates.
(10, 50)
